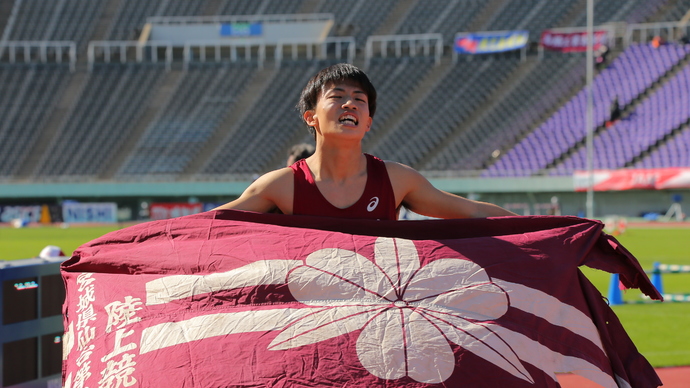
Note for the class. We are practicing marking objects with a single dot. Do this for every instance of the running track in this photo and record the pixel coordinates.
(674, 377)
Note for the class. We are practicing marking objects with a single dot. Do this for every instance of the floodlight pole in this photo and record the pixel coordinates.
(589, 118)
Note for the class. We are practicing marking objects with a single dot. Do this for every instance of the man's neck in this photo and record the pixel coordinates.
(337, 164)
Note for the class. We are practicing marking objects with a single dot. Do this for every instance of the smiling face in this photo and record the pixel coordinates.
(342, 109)
(326, 79)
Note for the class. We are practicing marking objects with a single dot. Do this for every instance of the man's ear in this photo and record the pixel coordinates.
(371, 120)
(309, 118)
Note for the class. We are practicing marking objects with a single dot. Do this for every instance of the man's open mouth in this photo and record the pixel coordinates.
(348, 119)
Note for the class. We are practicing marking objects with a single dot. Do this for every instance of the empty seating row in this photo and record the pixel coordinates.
(542, 89)
(458, 94)
(667, 109)
(567, 126)
(100, 123)
(31, 94)
(198, 105)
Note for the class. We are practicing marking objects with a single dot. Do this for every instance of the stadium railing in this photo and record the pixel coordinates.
(404, 45)
(119, 49)
(642, 32)
(342, 47)
(30, 51)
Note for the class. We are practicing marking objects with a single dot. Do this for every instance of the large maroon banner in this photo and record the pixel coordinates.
(239, 299)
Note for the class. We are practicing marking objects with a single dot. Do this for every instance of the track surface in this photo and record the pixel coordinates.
(674, 377)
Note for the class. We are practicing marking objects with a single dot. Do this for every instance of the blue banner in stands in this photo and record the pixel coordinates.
(75, 212)
(30, 213)
(490, 42)
(241, 29)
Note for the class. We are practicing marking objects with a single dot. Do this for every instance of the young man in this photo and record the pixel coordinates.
(338, 180)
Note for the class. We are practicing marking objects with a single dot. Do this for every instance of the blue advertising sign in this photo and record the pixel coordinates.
(241, 29)
(25, 213)
(490, 42)
(89, 212)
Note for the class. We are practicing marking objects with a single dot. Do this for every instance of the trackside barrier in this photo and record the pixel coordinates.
(615, 297)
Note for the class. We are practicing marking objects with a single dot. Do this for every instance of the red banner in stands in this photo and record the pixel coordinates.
(163, 211)
(573, 41)
(635, 179)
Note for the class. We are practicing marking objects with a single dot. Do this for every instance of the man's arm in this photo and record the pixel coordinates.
(416, 193)
(271, 191)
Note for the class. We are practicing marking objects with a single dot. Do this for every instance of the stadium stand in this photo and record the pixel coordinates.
(544, 87)
(655, 118)
(540, 14)
(464, 88)
(565, 131)
(247, 7)
(676, 10)
(100, 122)
(673, 153)
(55, 20)
(490, 115)
(439, 16)
(24, 111)
(358, 18)
(630, 11)
(389, 73)
(180, 131)
(257, 140)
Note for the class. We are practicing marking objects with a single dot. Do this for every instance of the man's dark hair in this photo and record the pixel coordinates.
(335, 73)
(299, 151)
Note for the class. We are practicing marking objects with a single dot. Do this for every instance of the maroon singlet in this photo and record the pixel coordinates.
(377, 202)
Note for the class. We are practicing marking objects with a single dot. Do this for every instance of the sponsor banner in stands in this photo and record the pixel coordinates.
(25, 213)
(75, 212)
(163, 211)
(572, 41)
(241, 29)
(490, 42)
(634, 179)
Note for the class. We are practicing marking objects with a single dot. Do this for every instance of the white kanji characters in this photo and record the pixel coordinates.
(82, 375)
(118, 346)
(85, 317)
(122, 313)
(86, 299)
(85, 355)
(85, 336)
(118, 373)
(83, 280)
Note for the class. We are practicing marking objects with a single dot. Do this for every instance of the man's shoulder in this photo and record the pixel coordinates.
(399, 168)
(280, 176)
(403, 176)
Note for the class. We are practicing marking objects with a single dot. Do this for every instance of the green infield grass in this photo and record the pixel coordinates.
(661, 331)
(27, 242)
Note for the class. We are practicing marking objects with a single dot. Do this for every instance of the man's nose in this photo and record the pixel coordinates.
(349, 103)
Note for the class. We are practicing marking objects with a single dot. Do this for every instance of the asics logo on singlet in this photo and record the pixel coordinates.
(373, 202)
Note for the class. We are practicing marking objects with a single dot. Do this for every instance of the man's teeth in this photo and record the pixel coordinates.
(349, 119)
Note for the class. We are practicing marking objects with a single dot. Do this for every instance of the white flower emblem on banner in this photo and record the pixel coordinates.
(407, 313)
